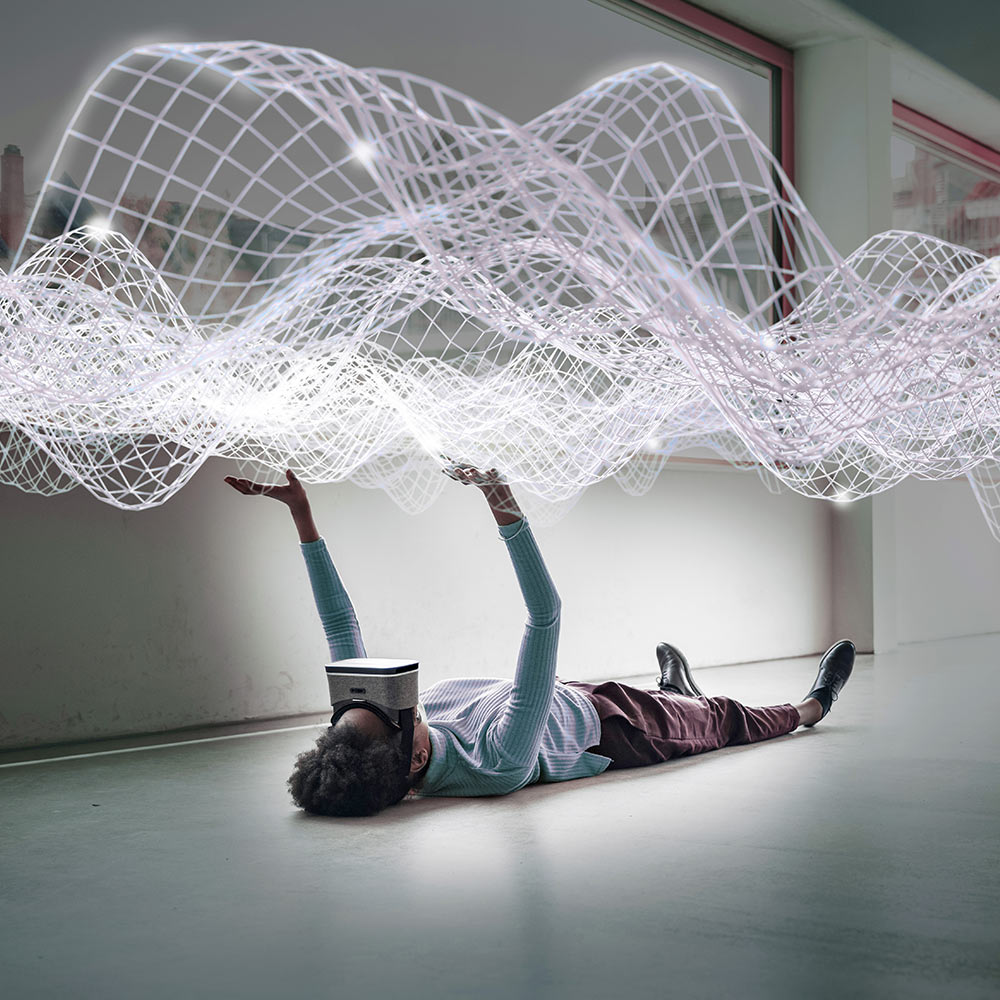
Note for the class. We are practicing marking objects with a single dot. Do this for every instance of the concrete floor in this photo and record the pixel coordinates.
(858, 859)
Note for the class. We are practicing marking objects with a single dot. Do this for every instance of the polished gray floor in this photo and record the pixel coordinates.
(857, 859)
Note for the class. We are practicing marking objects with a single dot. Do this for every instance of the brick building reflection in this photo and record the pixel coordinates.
(12, 202)
(935, 194)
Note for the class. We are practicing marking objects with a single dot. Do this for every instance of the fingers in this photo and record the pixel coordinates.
(240, 485)
(455, 472)
(246, 487)
(478, 478)
(469, 475)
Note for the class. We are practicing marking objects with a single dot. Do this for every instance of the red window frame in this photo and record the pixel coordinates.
(921, 126)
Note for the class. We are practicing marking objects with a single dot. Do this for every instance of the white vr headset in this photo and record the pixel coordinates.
(387, 688)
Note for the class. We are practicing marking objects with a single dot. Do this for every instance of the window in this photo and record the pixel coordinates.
(756, 76)
(944, 183)
(727, 42)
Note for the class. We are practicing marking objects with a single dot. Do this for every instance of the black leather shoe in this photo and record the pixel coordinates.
(834, 669)
(675, 674)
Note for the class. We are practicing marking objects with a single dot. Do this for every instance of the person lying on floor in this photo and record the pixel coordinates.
(483, 736)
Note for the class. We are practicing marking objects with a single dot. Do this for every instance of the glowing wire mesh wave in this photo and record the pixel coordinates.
(291, 262)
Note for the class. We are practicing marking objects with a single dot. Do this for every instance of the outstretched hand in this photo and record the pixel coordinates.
(293, 494)
(493, 486)
(469, 475)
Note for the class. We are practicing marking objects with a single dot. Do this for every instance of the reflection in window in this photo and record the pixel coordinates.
(935, 192)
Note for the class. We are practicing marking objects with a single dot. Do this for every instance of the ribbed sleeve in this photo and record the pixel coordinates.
(336, 613)
(517, 732)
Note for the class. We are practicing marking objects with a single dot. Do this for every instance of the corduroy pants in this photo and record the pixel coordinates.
(647, 727)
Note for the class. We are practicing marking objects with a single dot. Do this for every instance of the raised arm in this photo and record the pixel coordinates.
(518, 731)
(336, 613)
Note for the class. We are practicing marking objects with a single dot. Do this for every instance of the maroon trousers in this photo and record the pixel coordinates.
(647, 727)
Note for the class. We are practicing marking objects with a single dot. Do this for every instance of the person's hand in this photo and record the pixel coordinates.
(493, 486)
(469, 475)
(293, 494)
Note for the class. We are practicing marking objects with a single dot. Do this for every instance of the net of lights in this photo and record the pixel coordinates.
(290, 262)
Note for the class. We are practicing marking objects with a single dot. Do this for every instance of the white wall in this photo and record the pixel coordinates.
(944, 563)
(843, 118)
(200, 611)
(851, 572)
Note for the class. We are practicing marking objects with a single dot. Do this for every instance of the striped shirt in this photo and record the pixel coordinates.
(489, 736)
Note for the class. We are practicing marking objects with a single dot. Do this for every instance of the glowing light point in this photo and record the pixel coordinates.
(431, 444)
(99, 229)
(364, 152)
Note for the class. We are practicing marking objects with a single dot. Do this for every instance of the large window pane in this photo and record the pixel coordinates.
(538, 55)
(937, 193)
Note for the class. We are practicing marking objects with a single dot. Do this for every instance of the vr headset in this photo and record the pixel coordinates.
(387, 688)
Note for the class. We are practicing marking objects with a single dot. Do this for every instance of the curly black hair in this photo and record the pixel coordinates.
(349, 773)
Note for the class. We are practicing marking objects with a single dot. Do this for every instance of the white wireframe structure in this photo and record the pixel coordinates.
(268, 255)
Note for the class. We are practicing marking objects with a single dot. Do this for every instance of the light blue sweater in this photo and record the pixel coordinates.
(488, 736)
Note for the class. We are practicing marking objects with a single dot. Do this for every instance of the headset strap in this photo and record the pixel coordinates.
(406, 743)
(406, 723)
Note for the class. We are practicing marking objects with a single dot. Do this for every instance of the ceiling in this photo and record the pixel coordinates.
(962, 35)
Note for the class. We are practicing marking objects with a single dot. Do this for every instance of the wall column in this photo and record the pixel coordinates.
(843, 125)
